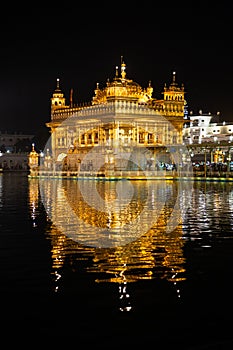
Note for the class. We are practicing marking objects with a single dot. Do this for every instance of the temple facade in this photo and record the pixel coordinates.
(123, 128)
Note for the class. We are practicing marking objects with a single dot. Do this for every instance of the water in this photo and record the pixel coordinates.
(116, 264)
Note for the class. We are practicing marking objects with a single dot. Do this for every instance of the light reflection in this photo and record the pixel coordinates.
(56, 280)
(210, 206)
(33, 199)
(155, 254)
(124, 296)
(80, 210)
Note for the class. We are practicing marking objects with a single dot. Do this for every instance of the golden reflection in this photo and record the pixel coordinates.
(104, 217)
(78, 210)
(156, 254)
(33, 198)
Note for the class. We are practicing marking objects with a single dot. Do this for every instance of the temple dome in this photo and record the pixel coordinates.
(122, 89)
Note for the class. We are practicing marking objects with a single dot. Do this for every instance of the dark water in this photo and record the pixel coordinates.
(61, 283)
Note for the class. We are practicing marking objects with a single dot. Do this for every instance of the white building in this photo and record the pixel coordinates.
(206, 128)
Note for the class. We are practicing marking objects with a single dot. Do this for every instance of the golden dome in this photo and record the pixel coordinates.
(122, 89)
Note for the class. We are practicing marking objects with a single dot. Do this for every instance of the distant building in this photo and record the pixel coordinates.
(11, 141)
(13, 162)
(206, 128)
(14, 149)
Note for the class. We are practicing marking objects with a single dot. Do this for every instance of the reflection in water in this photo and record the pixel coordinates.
(112, 213)
(34, 199)
(210, 215)
(153, 254)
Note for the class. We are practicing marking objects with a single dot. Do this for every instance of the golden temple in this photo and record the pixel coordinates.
(123, 129)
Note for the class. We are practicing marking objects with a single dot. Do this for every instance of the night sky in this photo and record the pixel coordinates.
(82, 45)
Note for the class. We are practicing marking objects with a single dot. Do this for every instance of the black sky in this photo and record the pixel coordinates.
(82, 45)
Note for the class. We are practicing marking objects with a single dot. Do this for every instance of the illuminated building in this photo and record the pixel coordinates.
(209, 140)
(112, 132)
(206, 128)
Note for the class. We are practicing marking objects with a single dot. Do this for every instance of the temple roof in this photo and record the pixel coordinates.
(121, 88)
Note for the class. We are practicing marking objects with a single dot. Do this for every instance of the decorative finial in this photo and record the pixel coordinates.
(174, 77)
(116, 71)
(123, 67)
(58, 80)
(71, 97)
